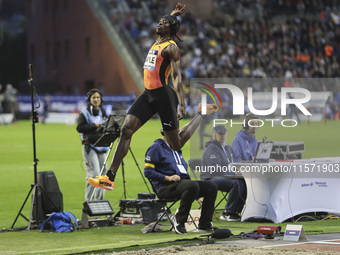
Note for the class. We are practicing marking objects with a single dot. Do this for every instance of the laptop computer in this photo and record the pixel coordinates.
(263, 151)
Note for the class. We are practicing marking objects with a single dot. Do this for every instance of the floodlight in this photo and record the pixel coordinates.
(98, 207)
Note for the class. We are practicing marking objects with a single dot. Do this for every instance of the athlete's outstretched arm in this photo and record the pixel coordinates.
(179, 10)
(175, 57)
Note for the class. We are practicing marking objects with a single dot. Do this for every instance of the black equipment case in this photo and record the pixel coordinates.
(148, 210)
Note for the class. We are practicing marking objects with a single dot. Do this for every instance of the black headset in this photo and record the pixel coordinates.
(248, 117)
(91, 92)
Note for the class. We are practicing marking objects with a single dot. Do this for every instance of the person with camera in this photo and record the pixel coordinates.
(90, 126)
(245, 143)
(217, 156)
(167, 171)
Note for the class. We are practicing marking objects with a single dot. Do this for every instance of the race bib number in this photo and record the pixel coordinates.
(150, 61)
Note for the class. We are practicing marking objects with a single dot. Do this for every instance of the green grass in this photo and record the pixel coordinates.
(59, 149)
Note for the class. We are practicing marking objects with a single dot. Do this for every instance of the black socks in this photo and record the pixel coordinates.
(111, 175)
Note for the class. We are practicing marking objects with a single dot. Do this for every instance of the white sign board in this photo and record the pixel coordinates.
(295, 233)
(195, 216)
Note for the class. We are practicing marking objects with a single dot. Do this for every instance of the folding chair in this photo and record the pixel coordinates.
(166, 212)
(225, 194)
(224, 198)
(198, 162)
(192, 164)
(166, 209)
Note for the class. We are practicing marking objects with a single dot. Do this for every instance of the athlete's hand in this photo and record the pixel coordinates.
(181, 112)
(179, 10)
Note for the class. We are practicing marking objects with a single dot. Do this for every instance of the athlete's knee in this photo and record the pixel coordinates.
(173, 140)
(127, 131)
(131, 125)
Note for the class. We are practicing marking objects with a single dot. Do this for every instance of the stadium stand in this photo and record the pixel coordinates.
(247, 39)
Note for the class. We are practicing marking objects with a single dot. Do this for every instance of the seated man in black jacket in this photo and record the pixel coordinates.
(167, 171)
(215, 161)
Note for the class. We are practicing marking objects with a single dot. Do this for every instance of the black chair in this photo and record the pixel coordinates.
(224, 198)
(166, 212)
(192, 164)
(225, 194)
(198, 162)
(166, 209)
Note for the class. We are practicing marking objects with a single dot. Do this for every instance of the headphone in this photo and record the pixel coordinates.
(248, 117)
(91, 92)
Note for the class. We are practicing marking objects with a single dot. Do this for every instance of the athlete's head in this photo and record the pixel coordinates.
(168, 24)
(174, 24)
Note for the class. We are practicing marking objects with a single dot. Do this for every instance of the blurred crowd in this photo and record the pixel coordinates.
(300, 40)
(246, 39)
(8, 101)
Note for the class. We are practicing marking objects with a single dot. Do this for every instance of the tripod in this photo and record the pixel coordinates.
(35, 186)
(112, 132)
(123, 174)
(123, 171)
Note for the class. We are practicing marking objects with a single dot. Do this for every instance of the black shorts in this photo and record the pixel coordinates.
(163, 101)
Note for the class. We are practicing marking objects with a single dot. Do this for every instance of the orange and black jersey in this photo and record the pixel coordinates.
(156, 68)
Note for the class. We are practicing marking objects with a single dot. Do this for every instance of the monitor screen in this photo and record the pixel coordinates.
(263, 150)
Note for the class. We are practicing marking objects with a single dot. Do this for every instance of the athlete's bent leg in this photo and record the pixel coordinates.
(177, 138)
(131, 125)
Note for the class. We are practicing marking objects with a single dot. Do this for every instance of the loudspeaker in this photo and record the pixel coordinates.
(41, 214)
(48, 182)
